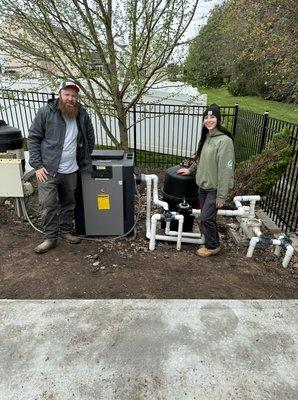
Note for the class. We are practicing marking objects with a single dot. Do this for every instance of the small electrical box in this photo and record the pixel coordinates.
(11, 173)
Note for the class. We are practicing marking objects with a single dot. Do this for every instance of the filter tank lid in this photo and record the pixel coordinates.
(8, 132)
(10, 138)
(177, 187)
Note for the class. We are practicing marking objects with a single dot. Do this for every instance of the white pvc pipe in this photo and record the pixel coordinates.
(278, 248)
(154, 219)
(168, 223)
(246, 198)
(252, 244)
(152, 236)
(252, 206)
(231, 213)
(250, 226)
(184, 239)
(156, 200)
(184, 234)
(288, 255)
(227, 213)
(148, 205)
(196, 211)
(277, 242)
(190, 237)
(237, 203)
(180, 218)
(289, 251)
(239, 212)
(257, 230)
(148, 179)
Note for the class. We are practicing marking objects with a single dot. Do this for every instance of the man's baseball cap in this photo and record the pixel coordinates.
(69, 84)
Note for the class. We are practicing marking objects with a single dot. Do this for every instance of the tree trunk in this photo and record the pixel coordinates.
(122, 123)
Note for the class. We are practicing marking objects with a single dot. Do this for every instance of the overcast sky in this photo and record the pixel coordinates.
(200, 19)
(203, 10)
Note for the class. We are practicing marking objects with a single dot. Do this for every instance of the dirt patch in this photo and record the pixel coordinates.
(125, 268)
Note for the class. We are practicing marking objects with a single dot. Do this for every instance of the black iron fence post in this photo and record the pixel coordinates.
(264, 131)
(135, 133)
(235, 120)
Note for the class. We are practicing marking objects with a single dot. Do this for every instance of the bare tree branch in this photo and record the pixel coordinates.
(116, 49)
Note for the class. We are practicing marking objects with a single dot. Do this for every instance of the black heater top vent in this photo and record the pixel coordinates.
(107, 154)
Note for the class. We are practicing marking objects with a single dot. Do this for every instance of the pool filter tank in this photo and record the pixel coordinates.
(105, 195)
(181, 193)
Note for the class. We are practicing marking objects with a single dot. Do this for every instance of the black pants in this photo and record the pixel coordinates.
(208, 217)
(56, 197)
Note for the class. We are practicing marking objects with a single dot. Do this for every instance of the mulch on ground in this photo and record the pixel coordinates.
(126, 268)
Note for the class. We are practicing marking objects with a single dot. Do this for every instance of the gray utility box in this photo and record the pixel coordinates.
(105, 195)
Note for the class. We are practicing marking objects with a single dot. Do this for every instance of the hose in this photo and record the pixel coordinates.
(24, 209)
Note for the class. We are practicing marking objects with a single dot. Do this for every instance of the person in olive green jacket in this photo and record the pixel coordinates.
(214, 167)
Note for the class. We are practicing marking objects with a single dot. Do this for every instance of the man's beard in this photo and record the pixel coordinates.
(69, 111)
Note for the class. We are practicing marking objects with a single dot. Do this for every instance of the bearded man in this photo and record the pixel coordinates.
(60, 141)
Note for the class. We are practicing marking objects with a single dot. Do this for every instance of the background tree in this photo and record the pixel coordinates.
(174, 72)
(117, 49)
(204, 65)
(252, 46)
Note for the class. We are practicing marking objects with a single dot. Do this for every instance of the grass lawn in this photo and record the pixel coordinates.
(221, 96)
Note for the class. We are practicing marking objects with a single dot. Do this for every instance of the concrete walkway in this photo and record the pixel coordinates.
(148, 349)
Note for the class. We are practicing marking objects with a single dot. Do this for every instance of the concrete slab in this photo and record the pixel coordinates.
(148, 349)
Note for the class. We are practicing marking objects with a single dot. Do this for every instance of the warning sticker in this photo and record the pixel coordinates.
(103, 201)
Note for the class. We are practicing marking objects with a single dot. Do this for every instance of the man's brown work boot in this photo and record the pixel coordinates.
(71, 238)
(204, 252)
(45, 246)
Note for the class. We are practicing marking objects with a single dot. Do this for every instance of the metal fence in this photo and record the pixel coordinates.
(161, 135)
(253, 132)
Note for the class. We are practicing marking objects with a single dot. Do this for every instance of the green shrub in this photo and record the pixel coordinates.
(258, 174)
